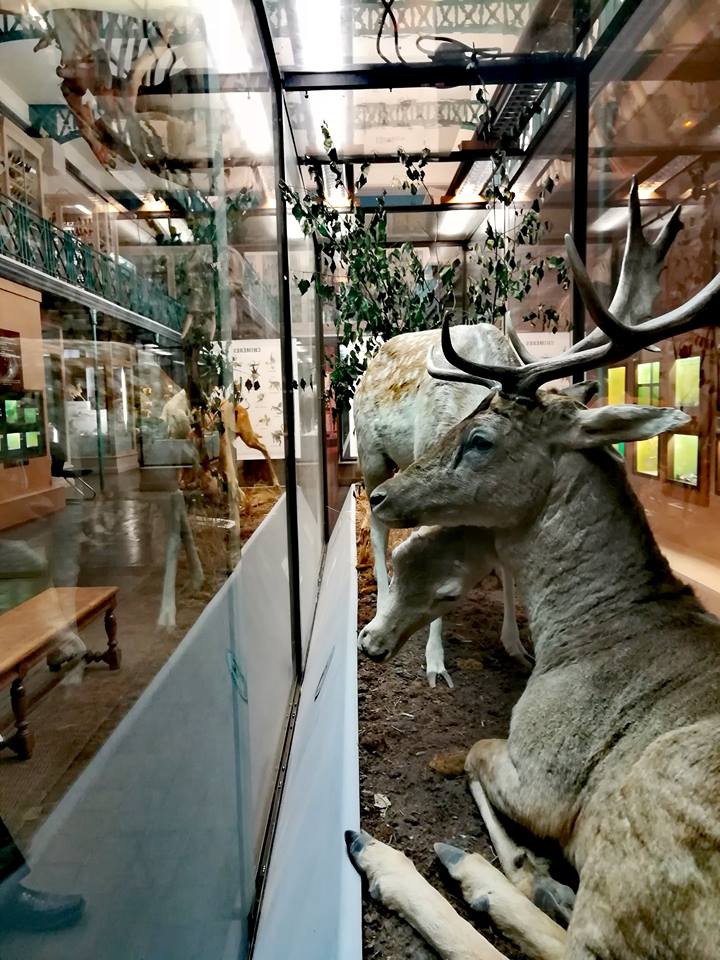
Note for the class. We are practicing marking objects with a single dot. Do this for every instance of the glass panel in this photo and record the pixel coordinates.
(653, 117)
(687, 381)
(646, 456)
(142, 466)
(307, 353)
(348, 31)
(616, 385)
(648, 383)
(381, 121)
(684, 456)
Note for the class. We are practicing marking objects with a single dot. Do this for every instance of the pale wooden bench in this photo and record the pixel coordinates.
(29, 631)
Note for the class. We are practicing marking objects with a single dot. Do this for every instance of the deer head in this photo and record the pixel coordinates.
(495, 468)
(432, 570)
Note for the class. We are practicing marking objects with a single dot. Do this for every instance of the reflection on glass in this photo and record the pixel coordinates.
(646, 456)
(14, 441)
(648, 382)
(12, 411)
(684, 451)
(616, 385)
(687, 382)
(32, 440)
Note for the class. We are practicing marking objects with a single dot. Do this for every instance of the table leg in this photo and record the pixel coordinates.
(113, 651)
(22, 741)
(112, 655)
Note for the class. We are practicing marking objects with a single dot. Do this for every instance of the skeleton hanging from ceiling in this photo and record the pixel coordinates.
(105, 61)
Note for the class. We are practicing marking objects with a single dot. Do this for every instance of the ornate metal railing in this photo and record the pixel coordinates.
(30, 239)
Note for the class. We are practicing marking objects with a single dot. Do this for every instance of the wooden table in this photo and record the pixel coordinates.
(29, 632)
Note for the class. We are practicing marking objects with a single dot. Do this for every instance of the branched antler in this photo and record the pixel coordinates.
(623, 328)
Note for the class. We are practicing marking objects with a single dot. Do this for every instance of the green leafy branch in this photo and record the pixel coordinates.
(377, 289)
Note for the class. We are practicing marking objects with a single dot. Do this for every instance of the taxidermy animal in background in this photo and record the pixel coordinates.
(400, 412)
(106, 93)
(176, 414)
(236, 423)
(614, 747)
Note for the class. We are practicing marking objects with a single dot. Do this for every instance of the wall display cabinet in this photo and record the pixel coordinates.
(21, 177)
(91, 221)
(22, 425)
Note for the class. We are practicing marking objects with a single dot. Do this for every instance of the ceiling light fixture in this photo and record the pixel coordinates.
(666, 173)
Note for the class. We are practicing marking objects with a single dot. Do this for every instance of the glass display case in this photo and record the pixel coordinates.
(178, 592)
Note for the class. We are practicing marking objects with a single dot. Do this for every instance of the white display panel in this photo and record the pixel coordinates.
(259, 362)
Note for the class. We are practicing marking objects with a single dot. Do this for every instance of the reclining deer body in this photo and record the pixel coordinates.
(614, 747)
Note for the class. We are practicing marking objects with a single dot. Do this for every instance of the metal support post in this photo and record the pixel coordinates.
(580, 193)
(96, 388)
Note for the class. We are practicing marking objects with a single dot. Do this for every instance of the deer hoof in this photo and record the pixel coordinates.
(434, 674)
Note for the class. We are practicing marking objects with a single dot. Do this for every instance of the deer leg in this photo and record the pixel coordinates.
(510, 635)
(435, 655)
(488, 891)
(494, 782)
(379, 541)
(196, 571)
(394, 881)
(166, 617)
(528, 800)
(526, 870)
(236, 497)
(259, 445)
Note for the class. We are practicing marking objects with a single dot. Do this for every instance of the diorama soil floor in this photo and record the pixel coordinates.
(412, 745)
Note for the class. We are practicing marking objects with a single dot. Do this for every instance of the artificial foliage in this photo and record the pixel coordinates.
(379, 289)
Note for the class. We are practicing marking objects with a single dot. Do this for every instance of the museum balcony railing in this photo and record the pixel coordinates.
(30, 239)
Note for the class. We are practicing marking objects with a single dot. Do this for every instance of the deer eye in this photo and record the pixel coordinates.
(478, 441)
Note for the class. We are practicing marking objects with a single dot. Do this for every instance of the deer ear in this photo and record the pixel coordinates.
(582, 392)
(621, 422)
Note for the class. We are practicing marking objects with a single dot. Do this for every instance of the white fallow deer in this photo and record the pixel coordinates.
(400, 412)
(614, 747)
(433, 570)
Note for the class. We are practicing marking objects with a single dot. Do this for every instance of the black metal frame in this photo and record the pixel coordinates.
(291, 503)
(518, 68)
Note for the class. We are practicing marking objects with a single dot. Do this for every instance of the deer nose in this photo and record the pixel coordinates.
(376, 498)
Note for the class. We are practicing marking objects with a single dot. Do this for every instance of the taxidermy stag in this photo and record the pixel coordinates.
(436, 568)
(614, 747)
(400, 412)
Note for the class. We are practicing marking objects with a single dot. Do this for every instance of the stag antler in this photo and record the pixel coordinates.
(614, 339)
